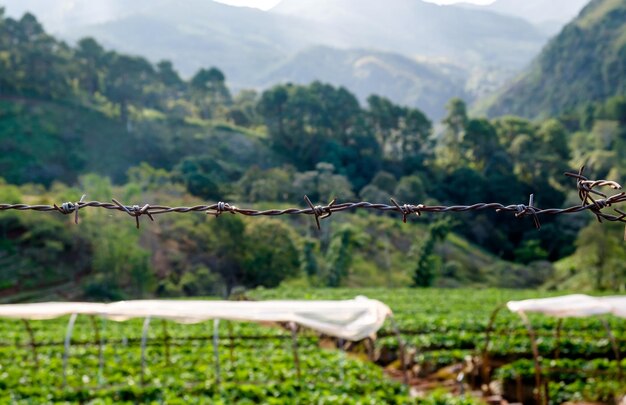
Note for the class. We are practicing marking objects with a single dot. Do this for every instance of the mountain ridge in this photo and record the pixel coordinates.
(414, 24)
(585, 63)
(427, 84)
(251, 45)
(534, 11)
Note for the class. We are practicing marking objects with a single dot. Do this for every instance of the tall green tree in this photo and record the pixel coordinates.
(385, 117)
(427, 264)
(403, 133)
(168, 75)
(450, 153)
(228, 251)
(308, 262)
(480, 143)
(600, 252)
(126, 80)
(35, 64)
(415, 142)
(271, 254)
(339, 256)
(92, 57)
(210, 92)
(321, 123)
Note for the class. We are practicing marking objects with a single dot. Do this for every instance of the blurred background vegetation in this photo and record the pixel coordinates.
(84, 119)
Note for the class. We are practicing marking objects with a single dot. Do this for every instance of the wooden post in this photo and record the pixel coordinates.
(231, 345)
(615, 347)
(485, 369)
(33, 344)
(370, 347)
(401, 346)
(535, 349)
(342, 362)
(166, 342)
(557, 349)
(66, 345)
(294, 345)
(144, 341)
(100, 342)
(216, 352)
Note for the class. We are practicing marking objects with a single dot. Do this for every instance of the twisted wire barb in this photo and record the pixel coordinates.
(586, 188)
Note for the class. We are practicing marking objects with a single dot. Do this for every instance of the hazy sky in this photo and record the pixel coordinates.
(267, 4)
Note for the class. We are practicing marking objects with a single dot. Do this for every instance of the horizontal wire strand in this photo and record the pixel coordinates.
(585, 187)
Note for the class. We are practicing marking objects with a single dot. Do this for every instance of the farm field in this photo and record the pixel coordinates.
(442, 329)
(443, 159)
(445, 327)
(257, 370)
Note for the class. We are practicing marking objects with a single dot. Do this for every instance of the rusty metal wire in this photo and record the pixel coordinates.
(585, 188)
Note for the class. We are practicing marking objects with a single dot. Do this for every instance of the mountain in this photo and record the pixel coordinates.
(539, 11)
(193, 34)
(63, 13)
(413, 27)
(241, 41)
(476, 50)
(548, 15)
(586, 62)
(411, 82)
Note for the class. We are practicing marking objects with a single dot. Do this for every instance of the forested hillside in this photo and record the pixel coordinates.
(88, 120)
(585, 63)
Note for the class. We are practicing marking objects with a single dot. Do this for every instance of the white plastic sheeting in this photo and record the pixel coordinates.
(575, 306)
(50, 310)
(353, 319)
(617, 304)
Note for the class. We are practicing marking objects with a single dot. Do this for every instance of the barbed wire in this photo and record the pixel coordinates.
(586, 191)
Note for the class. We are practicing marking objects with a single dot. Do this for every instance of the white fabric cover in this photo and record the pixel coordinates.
(50, 310)
(575, 305)
(353, 319)
(617, 304)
